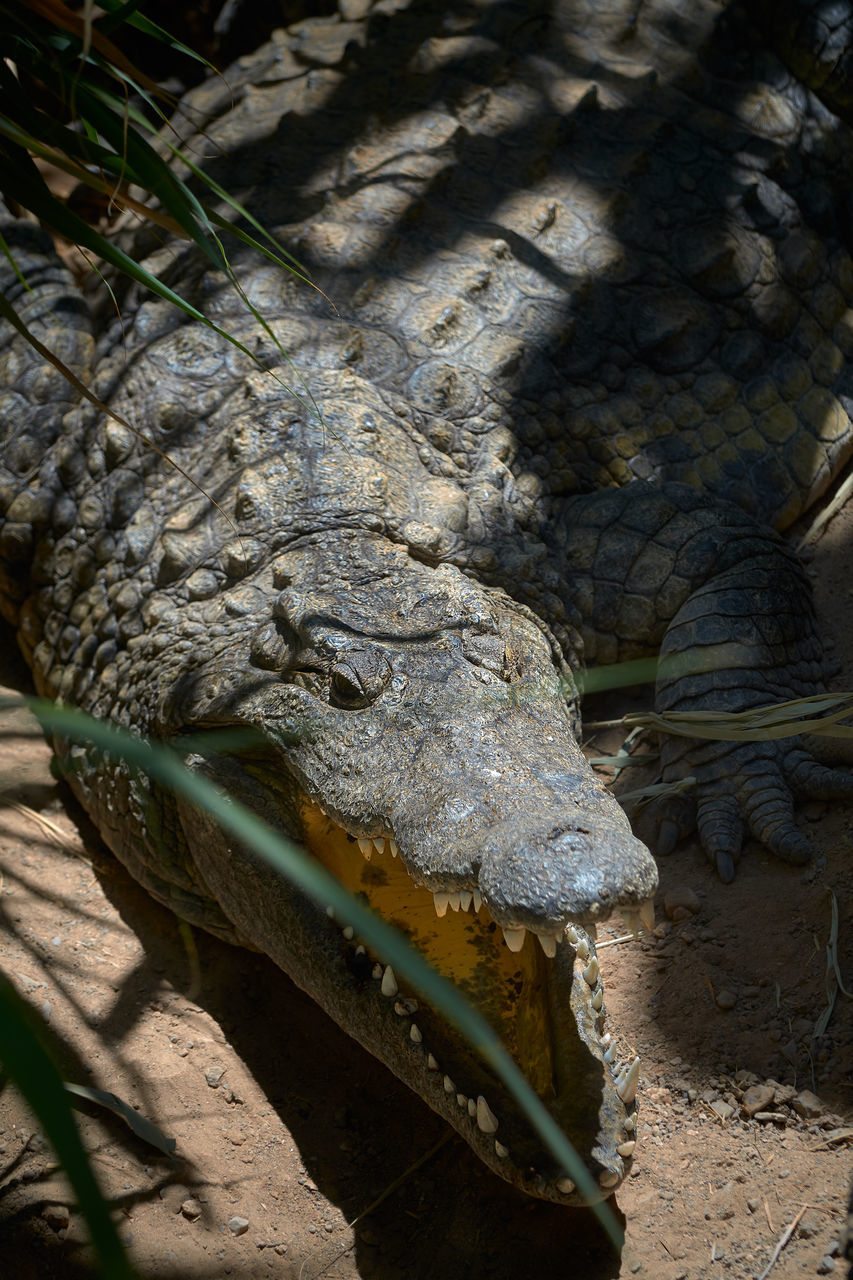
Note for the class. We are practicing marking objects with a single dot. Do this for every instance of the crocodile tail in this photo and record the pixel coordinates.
(38, 300)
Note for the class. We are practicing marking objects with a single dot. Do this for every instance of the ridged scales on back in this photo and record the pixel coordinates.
(568, 250)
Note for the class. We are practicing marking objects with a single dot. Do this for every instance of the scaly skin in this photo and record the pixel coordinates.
(569, 253)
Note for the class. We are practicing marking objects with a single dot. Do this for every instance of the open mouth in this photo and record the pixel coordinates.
(541, 991)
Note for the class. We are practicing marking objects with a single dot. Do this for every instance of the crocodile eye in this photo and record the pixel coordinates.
(358, 677)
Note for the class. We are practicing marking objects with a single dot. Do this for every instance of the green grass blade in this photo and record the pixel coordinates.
(28, 188)
(311, 878)
(278, 254)
(27, 1060)
(127, 13)
(618, 675)
(143, 166)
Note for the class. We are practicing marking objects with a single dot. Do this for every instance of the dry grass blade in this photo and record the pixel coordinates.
(623, 758)
(50, 829)
(823, 517)
(834, 983)
(320, 1267)
(819, 715)
(657, 791)
(780, 1244)
(59, 16)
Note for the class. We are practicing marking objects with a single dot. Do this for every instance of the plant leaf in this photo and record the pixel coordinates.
(313, 879)
(142, 1127)
(27, 1060)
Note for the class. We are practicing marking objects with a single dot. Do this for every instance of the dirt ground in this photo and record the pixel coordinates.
(287, 1133)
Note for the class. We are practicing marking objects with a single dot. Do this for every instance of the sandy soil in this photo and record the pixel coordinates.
(288, 1133)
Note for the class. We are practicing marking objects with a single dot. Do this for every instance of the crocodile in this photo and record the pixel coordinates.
(588, 355)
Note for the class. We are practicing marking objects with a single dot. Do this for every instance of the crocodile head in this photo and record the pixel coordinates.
(422, 747)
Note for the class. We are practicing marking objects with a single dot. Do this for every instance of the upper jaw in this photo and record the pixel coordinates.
(548, 1009)
(541, 880)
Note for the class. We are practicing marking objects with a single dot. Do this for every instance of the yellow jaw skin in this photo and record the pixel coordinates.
(468, 948)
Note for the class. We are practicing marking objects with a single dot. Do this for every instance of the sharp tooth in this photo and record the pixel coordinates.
(379, 844)
(441, 900)
(330, 912)
(606, 1039)
(630, 1123)
(548, 943)
(487, 1121)
(453, 901)
(572, 934)
(514, 938)
(626, 1082)
(597, 1001)
(465, 898)
(389, 982)
(376, 972)
(461, 1100)
(360, 951)
(432, 1065)
(472, 1108)
(415, 1033)
(392, 845)
(348, 932)
(609, 1055)
(400, 1008)
(366, 847)
(582, 949)
(449, 1086)
(626, 1148)
(478, 901)
(647, 913)
(607, 1178)
(500, 1150)
(565, 1185)
(590, 973)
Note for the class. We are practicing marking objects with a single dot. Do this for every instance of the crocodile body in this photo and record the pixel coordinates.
(594, 313)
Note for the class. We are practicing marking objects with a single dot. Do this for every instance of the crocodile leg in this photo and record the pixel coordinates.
(729, 606)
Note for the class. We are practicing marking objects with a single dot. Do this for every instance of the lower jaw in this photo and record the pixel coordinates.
(510, 988)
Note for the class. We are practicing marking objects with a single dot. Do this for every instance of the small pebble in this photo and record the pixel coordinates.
(238, 1225)
(173, 1195)
(757, 1097)
(681, 898)
(56, 1216)
(726, 999)
(191, 1209)
(807, 1104)
(826, 1266)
